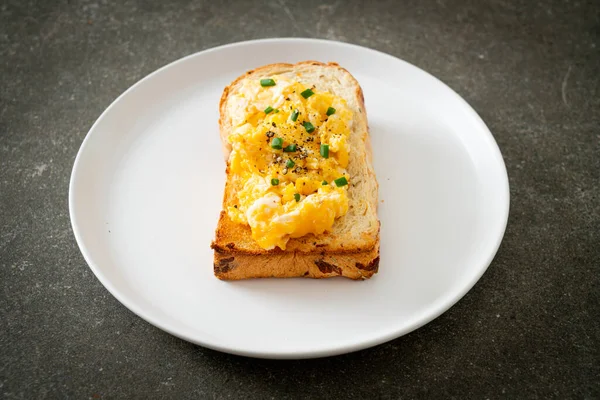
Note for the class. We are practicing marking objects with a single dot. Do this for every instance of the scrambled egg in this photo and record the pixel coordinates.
(289, 148)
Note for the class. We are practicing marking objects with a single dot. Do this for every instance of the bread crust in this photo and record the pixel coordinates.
(356, 256)
(234, 265)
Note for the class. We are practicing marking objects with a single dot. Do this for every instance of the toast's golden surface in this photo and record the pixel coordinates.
(351, 248)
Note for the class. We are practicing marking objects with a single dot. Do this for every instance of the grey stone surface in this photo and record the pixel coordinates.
(529, 329)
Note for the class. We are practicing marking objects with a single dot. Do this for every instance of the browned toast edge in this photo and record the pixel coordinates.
(232, 265)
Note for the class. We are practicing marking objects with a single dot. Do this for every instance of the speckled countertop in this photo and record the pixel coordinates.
(529, 329)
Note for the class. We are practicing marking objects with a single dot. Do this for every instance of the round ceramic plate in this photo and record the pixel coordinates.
(147, 185)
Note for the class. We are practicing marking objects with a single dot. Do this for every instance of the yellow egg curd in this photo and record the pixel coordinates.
(290, 150)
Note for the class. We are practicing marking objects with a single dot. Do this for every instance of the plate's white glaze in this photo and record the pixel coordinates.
(146, 190)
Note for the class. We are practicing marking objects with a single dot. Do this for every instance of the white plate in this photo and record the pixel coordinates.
(147, 184)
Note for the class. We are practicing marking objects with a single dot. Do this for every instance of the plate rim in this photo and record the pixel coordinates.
(342, 349)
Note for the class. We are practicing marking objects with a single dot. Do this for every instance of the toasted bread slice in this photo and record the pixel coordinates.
(351, 248)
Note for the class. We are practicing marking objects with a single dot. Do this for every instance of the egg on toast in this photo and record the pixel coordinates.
(301, 193)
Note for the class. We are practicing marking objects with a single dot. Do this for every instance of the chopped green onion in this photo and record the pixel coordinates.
(268, 109)
(276, 110)
(290, 163)
(277, 143)
(267, 82)
(290, 148)
(310, 128)
(307, 93)
(297, 196)
(274, 181)
(324, 183)
(325, 150)
(330, 111)
(339, 182)
(294, 115)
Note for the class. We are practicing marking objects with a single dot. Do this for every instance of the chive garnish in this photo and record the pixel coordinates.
(310, 128)
(324, 183)
(330, 111)
(268, 109)
(307, 93)
(290, 163)
(274, 181)
(297, 197)
(339, 182)
(325, 150)
(267, 82)
(277, 143)
(290, 148)
(294, 115)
